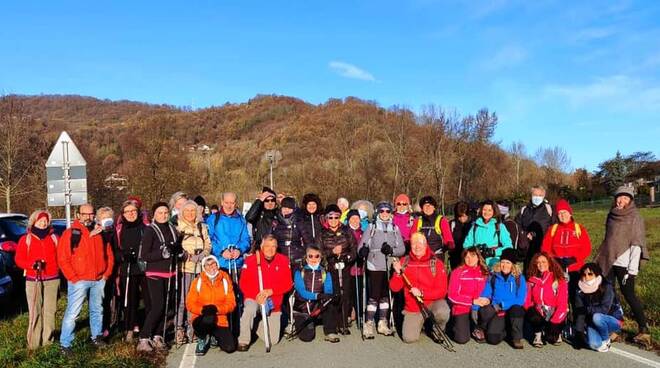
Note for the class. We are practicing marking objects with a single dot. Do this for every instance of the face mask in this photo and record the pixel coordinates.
(402, 212)
(212, 275)
(537, 200)
(363, 213)
(107, 223)
(591, 282)
(314, 267)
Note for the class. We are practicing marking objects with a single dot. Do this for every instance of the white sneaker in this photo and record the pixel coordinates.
(145, 345)
(605, 346)
(159, 343)
(384, 329)
(368, 330)
(538, 340)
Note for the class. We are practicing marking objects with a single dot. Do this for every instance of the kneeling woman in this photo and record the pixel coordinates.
(547, 299)
(506, 289)
(313, 289)
(597, 308)
(466, 284)
(209, 300)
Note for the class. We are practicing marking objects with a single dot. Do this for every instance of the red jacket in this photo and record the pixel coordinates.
(542, 292)
(90, 261)
(465, 285)
(45, 249)
(276, 276)
(566, 243)
(202, 292)
(419, 273)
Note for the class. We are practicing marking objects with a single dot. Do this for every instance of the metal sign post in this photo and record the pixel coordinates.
(66, 174)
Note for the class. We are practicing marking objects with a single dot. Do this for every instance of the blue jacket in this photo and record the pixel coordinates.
(299, 285)
(481, 233)
(506, 293)
(228, 229)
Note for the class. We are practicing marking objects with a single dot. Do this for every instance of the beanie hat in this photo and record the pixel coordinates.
(43, 214)
(428, 200)
(402, 198)
(332, 208)
(509, 254)
(288, 202)
(268, 190)
(200, 201)
(384, 204)
(563, 205)
(352, 213)
(136, 199)
(158, 205)
(624, 190)
(311, 197)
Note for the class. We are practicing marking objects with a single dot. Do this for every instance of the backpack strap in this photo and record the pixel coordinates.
(198, 286)
(578, 230)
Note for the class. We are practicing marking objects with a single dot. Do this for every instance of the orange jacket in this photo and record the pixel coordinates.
(90, 261)
(202, 292)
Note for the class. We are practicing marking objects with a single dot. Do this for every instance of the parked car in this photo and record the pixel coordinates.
(12, 227)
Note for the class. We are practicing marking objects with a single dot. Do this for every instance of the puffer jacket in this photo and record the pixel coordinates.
(225, 230)
(218, 292)
(308, 284)
(276, 276)
(505, 292)
(92, 260)
(433, 285)
(289, 238)
(262, 220)
(310, 226)
(568, 242)
(465, 284)
(487, 234)
(543, 292)
(39, 249)
(586, 305)
(196, 242)
(376, 235)
(329, 239)
(404, 222)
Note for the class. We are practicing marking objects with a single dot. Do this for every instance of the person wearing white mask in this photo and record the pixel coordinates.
(535, 218)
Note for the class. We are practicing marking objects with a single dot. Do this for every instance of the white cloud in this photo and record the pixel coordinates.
(350, 71)
(506, 57)
(593, 33)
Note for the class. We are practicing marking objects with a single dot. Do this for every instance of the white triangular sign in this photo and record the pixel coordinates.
(56, 158)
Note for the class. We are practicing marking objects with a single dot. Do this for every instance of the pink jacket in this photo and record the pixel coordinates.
(465, 285)
(404, 223)
(541, 292)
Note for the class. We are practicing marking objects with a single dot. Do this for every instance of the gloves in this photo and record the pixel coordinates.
(323, 297)
(497, 307)
(386, 249)
(39, 264)
(209, 310)
(195, 258)
(364, 252)
(566, 261)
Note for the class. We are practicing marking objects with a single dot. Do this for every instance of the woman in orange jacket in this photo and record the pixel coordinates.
(210, 299)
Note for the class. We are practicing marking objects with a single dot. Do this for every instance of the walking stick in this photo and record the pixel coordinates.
(315, 313)
(167, 298)
(358, 318)
(128, 280)
(364, 298)
(264, 316)
(339, 266)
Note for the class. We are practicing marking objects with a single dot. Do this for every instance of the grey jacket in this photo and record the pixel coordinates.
(374, 237)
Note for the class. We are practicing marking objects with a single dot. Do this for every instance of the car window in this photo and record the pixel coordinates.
(12, 228)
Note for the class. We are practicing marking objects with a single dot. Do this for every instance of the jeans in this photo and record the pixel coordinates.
(77, 292)
(600, 328)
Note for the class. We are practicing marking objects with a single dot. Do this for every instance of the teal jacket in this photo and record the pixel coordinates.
(482, 233)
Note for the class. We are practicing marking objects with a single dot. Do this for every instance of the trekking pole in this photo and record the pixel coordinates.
(339, 266)
(128, 280)
(177, 300)
(389, 294)
(438, 334)
(167, 299)
(264, 316)
(358, 319)
(315, 313)
(364, 298)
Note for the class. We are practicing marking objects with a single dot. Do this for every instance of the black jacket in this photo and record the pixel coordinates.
(152, 247)
(262, 220)
(289, 237)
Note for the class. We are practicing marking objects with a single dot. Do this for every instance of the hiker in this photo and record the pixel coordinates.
(535, 218)
(568, 242)
(466, 283)
(36, 254)
(313, 297)
(459, 225)
(105, 217)
(429, 280)
(506, 289)
(488, 234)
(86, 262)
(343, 204)
(229, 235)
(381, 240)
(546, 302)
(276, 279)
(132, 282)
(309, 221)
(162, 251)
(598, 313)
(339, 249)
(621, 254)
(353, 221)
(403, 217)
(287, 232)
(434, 226)
(262, 214)
(519, 240)
(196, 245)
(176, 201)
(209, 301)
(366, 210)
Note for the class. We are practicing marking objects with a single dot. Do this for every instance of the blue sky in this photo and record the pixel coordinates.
(582, 76)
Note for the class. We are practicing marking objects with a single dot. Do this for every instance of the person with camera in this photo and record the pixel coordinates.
(209, 301)
(196, 245)
(161, 249)
(381, 240)
(262, 215)
(36, 254)
(132, 282)
(340, 251)
(488, 234)
(86, 262)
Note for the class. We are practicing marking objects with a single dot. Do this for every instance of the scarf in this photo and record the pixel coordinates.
(624, 228)
(590, 287)
(40, 233)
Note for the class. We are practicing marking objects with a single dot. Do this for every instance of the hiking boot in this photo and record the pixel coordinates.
(333, 338)
(203, 345)
(344, 331)
(479, 335)
(517, 344)
(98, 342)
(129, 336)
(368, 330)
(384, 329)
(145, 345)
(643, 338)
(159, 343)
(538, 340)
(604, 347)
(615, 337)
(242, 347)
(558, 341)
(66, 351)
(180, 337)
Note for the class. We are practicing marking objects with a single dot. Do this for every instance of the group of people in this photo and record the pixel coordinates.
(219, 278)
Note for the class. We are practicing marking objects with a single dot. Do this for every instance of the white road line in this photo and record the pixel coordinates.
(636, 357)
(189, 358)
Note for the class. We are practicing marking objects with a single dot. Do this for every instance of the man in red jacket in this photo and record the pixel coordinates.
(429, 280)
(86, 262)
(276, 276)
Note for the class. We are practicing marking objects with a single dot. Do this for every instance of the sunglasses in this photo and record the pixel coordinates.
(589, 273)
(313, 256)
(269, 200)
(130, 211)
(333, 217)
(385, 210)
(402, 204)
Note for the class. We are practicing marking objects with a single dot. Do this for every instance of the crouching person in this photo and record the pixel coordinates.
(210, 299)
(429, 281)
(312, 299)
(265, 278)
(506, 289)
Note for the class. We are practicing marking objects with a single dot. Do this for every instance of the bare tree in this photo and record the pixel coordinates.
(517, 151)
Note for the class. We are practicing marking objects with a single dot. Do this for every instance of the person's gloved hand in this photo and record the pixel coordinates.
(209, 310)
(386, 249)
(322, 297)
(364, 252)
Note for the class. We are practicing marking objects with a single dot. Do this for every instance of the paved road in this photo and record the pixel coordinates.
(391, 352)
